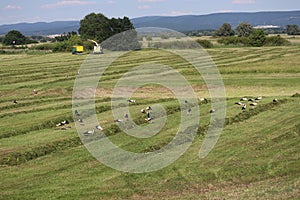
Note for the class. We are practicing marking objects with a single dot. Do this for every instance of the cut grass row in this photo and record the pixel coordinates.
(235, 169)
(135, 145)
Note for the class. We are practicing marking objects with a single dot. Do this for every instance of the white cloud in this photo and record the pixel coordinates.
(144, 7)
(68, 3)
(110, 2)
(178, 13)
(244, 1)
(12, 7)
(226, 11)
(152, 1)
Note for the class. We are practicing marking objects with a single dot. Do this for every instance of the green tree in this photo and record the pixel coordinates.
(257, 38)
(292, 30)
(244, 29)
(99, 27)
(94, 26)
(75, 40)
(14, 37)
(225, 30)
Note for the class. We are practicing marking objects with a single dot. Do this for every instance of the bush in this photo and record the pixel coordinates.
(164, 36)
(234, 40)
(257, 38)
(62, 46)
(174, 45)
(276, 41)
(46, 46)
(149, 38)
(205, 43)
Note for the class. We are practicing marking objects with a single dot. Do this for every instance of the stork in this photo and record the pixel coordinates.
(258, 98)
(99, 128)
(131, 100)
(149, 108)
(253, 104)
(212, 111)
(148, 119)
(203, 100)
(91, 132)
(239, 103)
(244, 107)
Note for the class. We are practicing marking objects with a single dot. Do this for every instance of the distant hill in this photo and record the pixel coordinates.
(214, 21)
(179, 23)
(41, 28)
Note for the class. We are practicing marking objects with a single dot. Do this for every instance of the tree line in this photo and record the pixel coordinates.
(98, 27)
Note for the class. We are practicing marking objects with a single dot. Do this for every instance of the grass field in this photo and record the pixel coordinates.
(256, 157)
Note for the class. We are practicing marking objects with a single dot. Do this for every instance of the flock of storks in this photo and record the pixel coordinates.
(252, 102)
(147, 111)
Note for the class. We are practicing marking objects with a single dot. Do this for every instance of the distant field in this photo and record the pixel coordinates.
(256, 157)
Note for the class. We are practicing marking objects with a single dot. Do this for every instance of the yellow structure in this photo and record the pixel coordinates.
(77, 49)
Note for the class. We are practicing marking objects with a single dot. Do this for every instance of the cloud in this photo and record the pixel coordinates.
(110, 2)
(243, 1)
(226, 11)
(12, 7)
(178, 13)
(144, 7)
(68, 3)
(152, 1)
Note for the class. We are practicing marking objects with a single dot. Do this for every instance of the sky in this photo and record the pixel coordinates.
(16, 11)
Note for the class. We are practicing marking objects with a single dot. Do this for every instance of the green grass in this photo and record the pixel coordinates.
(257, 155)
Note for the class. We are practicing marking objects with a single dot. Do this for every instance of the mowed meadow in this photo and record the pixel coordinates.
(256, 157)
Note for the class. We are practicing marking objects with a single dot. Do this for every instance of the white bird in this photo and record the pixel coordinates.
(149, 108)
(118, 120)
(131, 101)
(212, 111)
(244, 107)
(203, 100)
(244, 99)
(89, 132)
(15, 101)
(143, 111)
(259, 98)
(59, 124)
(253, 104)
(275, 100)
(239, 103)
(99, 128)
(80, 120)
(65, 122)
(148, 119)
(252, 100)
(35, 92)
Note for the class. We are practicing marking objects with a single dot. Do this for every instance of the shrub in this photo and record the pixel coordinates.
(46, 46)
(257, 38)
(276, 41)
(234, 40)
(149, 38)
(205, 43)
(175, 45)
